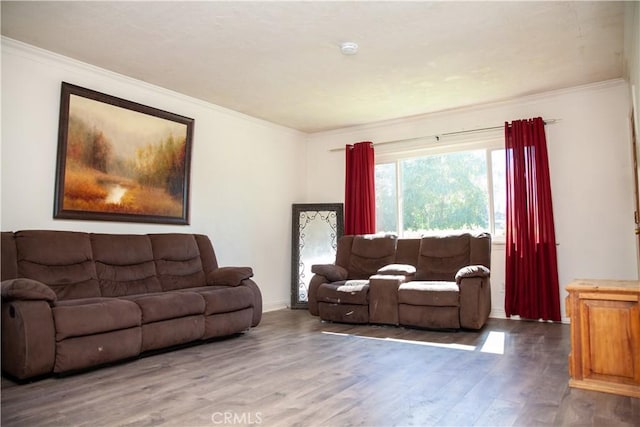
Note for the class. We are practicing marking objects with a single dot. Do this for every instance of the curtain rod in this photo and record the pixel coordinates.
(440, 135)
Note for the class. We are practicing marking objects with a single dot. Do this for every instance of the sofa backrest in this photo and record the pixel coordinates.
(435, 257)
(207, 254)
(343, 250)
(177, 259)
(82, 265)
(407, 251)
(480, 250)
(363, 255)
(63, 260)
(441, 257)
(9, 258)
(124, 264)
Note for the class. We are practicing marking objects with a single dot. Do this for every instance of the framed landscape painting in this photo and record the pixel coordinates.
(121, 161)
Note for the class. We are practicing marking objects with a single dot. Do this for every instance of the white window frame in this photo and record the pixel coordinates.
(396, 155)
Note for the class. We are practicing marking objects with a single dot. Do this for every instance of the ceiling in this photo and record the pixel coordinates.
(280, 61)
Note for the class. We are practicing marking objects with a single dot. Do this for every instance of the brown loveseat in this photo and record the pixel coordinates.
(74, 300)
(436, 282)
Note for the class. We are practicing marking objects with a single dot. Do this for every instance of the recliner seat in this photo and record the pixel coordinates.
(347, 298)
(435, 282)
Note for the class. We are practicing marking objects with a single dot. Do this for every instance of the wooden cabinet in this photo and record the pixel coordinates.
(605, 336)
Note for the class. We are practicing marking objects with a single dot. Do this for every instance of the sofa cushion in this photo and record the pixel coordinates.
(429, 293)
(178, 262)
(169, 305)
(60, 259)
(26, 289)
(345, 292)
(442, 256)
(124, 264)
(88, 316)
(369, 253)
(224, 299)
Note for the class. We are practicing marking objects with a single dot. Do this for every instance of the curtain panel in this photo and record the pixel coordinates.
(531, 276)
(359, 192)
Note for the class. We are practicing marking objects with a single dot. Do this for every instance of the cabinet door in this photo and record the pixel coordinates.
(610, 337)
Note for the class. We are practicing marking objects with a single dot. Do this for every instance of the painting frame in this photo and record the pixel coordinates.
(105, 125)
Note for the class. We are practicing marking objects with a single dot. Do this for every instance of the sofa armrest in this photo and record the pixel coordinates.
(475, 301)
(332, 272)
(322, 273)
(312, 293)
(383, 297)
(257, 301)
(28, 338)
(472, 271)
(406, 270)
(229, 276)
(26, 289)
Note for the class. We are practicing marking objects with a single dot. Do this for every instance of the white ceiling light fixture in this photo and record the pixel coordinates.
(349, 48)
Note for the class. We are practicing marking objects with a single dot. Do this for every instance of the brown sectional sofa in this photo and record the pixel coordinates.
(435, 282)
(72, 300)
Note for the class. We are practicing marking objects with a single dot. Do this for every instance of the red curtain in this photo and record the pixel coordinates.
(531, 279)
(359, 191)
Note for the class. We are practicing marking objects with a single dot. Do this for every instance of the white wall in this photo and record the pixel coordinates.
(632, 51)
(632, 68)
(590, 169)
(245, 173)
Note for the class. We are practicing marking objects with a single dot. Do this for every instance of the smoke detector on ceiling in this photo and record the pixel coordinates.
(349, 48)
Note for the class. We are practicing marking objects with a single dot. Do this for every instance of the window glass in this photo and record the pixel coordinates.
(445, 192)
(386, 200)
(498, 168)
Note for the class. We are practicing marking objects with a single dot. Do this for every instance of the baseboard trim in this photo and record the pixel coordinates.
(498, 313)
(495, 313)
(273, 306)
(501, 314)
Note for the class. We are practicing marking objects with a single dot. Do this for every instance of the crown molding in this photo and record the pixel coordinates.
(15, 47)
(525, 99)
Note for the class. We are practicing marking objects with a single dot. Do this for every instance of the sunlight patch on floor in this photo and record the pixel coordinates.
(431, 344)
(493, 344)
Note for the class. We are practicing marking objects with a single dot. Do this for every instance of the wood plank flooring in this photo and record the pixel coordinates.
(294, 370)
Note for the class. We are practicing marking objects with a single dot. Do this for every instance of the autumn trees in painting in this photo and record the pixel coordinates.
(162, 165)
(118, 161)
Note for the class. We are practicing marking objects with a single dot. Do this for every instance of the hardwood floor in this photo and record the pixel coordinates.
(294, 370)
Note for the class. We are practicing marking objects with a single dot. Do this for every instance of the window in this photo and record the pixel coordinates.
(442, 189)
